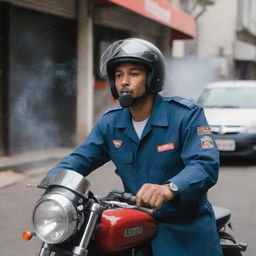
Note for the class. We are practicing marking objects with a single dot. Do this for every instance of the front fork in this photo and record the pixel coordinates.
(45, 250)
(80, 250)
(95, 211)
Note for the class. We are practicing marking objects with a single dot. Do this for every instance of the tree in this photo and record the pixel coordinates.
(200, 7)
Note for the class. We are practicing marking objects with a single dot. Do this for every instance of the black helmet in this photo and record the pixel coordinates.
(136, 51)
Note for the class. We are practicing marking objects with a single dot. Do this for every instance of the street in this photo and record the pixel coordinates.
(235, 191)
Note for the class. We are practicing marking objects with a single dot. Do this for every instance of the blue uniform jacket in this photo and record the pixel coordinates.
(176, 146)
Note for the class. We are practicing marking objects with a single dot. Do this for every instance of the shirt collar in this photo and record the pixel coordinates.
(159, 112)
(122, 119)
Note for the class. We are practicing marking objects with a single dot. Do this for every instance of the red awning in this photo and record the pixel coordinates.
(184, 25)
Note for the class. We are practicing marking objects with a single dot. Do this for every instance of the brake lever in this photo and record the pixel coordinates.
(35, 186)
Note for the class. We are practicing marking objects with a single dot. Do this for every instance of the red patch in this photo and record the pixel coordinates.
(165, 147)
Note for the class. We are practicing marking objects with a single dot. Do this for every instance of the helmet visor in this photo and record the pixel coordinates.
(126, 49)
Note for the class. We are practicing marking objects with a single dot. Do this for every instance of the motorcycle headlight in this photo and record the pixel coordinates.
(54, 218)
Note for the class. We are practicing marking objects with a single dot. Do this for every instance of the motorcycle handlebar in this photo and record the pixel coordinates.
(129, 197)
(132, 199)
(150, 211)
(124, 195)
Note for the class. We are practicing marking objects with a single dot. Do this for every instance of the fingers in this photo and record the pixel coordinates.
(152, 195)
(156, 202)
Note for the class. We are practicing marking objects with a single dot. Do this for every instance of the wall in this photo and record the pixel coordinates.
(196, 63)
(247, 16)
(64, 8)
(217, 28)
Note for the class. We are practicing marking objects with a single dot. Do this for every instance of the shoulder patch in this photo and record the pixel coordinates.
(183, 101)
(113, 108)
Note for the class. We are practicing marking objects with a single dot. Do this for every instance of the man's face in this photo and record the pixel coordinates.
(131, 78)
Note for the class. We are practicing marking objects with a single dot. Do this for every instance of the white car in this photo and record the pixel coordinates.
(230, 108)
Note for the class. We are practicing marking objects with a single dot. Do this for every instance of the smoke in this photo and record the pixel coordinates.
(34, 120)
(188, 76)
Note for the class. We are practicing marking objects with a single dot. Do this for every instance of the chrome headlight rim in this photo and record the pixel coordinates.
(70, 216)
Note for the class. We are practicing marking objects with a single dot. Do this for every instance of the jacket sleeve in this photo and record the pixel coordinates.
(200, 156)
(88, 156)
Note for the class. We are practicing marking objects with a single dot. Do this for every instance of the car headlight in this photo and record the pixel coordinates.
(54, 218)
(250, 129)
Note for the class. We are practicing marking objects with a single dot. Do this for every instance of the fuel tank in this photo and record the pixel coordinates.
(121, 229)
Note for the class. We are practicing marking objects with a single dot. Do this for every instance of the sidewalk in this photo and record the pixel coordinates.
(35, 158)
(14, 168)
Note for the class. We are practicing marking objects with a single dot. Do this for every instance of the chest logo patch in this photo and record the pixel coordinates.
(204, 130)
(165, 147)
(117, 143)
(207, 142)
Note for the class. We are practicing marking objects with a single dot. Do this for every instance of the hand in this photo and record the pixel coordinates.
(153, 195)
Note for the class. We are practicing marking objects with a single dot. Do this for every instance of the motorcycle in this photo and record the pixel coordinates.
(71, 220)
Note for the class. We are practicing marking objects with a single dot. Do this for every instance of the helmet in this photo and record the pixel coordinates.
(136, 51)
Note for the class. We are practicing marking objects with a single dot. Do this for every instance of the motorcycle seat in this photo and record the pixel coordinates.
(222, 216)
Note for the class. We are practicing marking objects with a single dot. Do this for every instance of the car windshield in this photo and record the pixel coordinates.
(228, 97)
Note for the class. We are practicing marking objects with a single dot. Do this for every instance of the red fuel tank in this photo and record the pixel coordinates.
(121, 229)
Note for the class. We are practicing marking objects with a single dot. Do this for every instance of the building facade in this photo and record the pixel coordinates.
(51, 91)
(232, 37)
(245, 43)
(224, 49)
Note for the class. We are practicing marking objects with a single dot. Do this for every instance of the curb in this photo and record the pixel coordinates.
(15, 168)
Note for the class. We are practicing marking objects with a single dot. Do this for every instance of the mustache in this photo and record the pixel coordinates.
(125, 90)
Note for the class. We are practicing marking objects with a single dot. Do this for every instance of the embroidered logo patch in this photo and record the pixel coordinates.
(117, 143)
(203, 130)
(165, 147)
(207, 142)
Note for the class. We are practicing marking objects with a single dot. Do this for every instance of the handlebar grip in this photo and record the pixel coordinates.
(150, 211)
(132, 199)
(127, 196)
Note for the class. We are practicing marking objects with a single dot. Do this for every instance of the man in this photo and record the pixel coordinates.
(163, 150)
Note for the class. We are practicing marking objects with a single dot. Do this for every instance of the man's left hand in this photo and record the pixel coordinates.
(153, 195)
